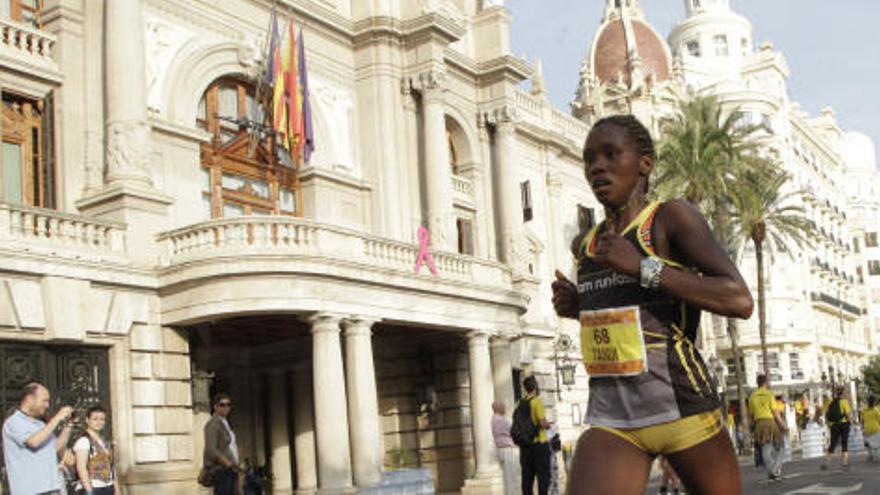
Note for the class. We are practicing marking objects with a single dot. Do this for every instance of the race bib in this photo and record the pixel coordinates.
(612, 342)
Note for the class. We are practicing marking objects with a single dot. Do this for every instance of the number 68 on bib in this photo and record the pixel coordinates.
(612, 342)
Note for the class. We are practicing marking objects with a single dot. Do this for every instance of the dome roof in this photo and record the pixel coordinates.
(859, 153)
(614, 54)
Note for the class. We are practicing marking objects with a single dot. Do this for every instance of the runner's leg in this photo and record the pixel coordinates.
(604, 463)
(710, 467)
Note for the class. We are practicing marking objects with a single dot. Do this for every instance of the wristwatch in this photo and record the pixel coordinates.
(649, 272)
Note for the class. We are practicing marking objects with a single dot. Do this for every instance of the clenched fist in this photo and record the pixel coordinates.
(565, 297)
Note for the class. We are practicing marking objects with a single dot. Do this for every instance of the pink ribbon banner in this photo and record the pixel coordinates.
(425, 252)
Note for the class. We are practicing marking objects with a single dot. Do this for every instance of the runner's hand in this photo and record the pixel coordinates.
(616, 252)
(565, 298)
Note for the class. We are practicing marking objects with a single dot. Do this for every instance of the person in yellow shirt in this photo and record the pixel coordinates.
(534, 459)
(871, 428)
(837, 415)
(768, 427)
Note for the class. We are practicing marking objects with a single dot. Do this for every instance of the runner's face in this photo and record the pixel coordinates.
(613, 167)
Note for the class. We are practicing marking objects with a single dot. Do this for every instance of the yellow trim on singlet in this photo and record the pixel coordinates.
(699, 368)
(679, 341)
(655, 334)
(636, 222)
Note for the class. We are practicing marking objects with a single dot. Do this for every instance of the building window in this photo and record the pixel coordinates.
(453, 154)
(241, 174)
(24, 11)
(27, 175)
(586, 218)
(525, 191)
(794, 362)
(744, 44)
(693, 48)
(465, 236)
(874, 267)
(773, 366)
(871, 239)
(696, 4)
(721, 49)
(856, 245)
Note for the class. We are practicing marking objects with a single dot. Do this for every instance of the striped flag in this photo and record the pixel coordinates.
(291, 91)
(280, 60)
(307, 141)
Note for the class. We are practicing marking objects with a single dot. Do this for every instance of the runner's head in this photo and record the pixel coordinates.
(531, 386)
(762, 380)
(618, 158)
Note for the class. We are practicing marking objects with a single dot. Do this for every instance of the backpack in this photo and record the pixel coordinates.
(834, 413)
(523, 431)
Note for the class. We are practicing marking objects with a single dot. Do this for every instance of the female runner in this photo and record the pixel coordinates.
(644, 275)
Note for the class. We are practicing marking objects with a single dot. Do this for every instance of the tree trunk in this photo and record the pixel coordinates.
(762, 307)
(733, 334)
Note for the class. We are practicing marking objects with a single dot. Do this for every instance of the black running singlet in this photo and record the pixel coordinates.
(677, 383)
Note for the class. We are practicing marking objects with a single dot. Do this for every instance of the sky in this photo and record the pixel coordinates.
(831, 47)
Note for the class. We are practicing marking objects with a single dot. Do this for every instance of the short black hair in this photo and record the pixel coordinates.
(95, 409)
(530, 384)
(634, 129)
(762, 379)
(29, 389)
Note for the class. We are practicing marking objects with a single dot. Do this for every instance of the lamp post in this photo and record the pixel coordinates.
(563, 345)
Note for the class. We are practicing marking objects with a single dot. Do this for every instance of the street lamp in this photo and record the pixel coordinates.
(564, 365)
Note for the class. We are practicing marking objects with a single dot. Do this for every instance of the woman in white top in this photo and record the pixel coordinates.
(94, 457)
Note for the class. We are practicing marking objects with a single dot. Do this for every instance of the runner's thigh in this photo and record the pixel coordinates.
(709, 468)
(605, 464)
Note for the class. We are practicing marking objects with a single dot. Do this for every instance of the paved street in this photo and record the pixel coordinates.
(805, 478)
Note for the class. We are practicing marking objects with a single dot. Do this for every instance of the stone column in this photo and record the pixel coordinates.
(363, 404)
(481, 404)
(127, 132)
(304, 432)
(438, 171)
(279, 435)
(507, 184)
(502, 372)
(331, 413)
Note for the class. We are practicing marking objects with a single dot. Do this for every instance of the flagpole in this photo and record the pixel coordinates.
(258, 92)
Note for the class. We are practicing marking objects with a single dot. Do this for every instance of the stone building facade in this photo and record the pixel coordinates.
(154, 253)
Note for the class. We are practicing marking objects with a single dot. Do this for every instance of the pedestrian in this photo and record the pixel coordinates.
(94, 457)
(768, 427)
(508, 454)
(221, 457)
(871, 425)
(644, 275)
(837, 415)
(529, 432)
(30, 447)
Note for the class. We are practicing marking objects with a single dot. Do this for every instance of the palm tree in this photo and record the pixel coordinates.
(764, 213)
(701, 154)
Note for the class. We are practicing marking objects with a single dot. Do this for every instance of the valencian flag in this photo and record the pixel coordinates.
(279, 103)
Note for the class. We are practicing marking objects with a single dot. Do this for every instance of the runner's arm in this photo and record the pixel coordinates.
(718, 287)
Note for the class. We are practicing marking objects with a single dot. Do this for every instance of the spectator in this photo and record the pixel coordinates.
(30, 447)
(94, 457)
(534, 458)
(508, 455)
(221, 451)
(837, 414)
(769, 427)
(871, 424)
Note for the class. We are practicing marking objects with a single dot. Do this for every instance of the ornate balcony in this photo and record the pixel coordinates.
(27, 48)
(48, 232)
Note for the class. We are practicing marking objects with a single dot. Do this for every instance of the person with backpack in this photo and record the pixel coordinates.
(837, 416)
(94, 457)
(529, 432)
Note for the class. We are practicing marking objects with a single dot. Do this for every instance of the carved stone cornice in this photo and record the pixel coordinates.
(503, 118)
(431, 84)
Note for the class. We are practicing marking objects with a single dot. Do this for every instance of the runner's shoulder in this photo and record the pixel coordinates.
(679, 216)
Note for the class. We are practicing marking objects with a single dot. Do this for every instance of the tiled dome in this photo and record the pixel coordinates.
(610, 57)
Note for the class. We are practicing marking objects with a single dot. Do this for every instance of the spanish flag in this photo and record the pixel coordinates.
(280, 60)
